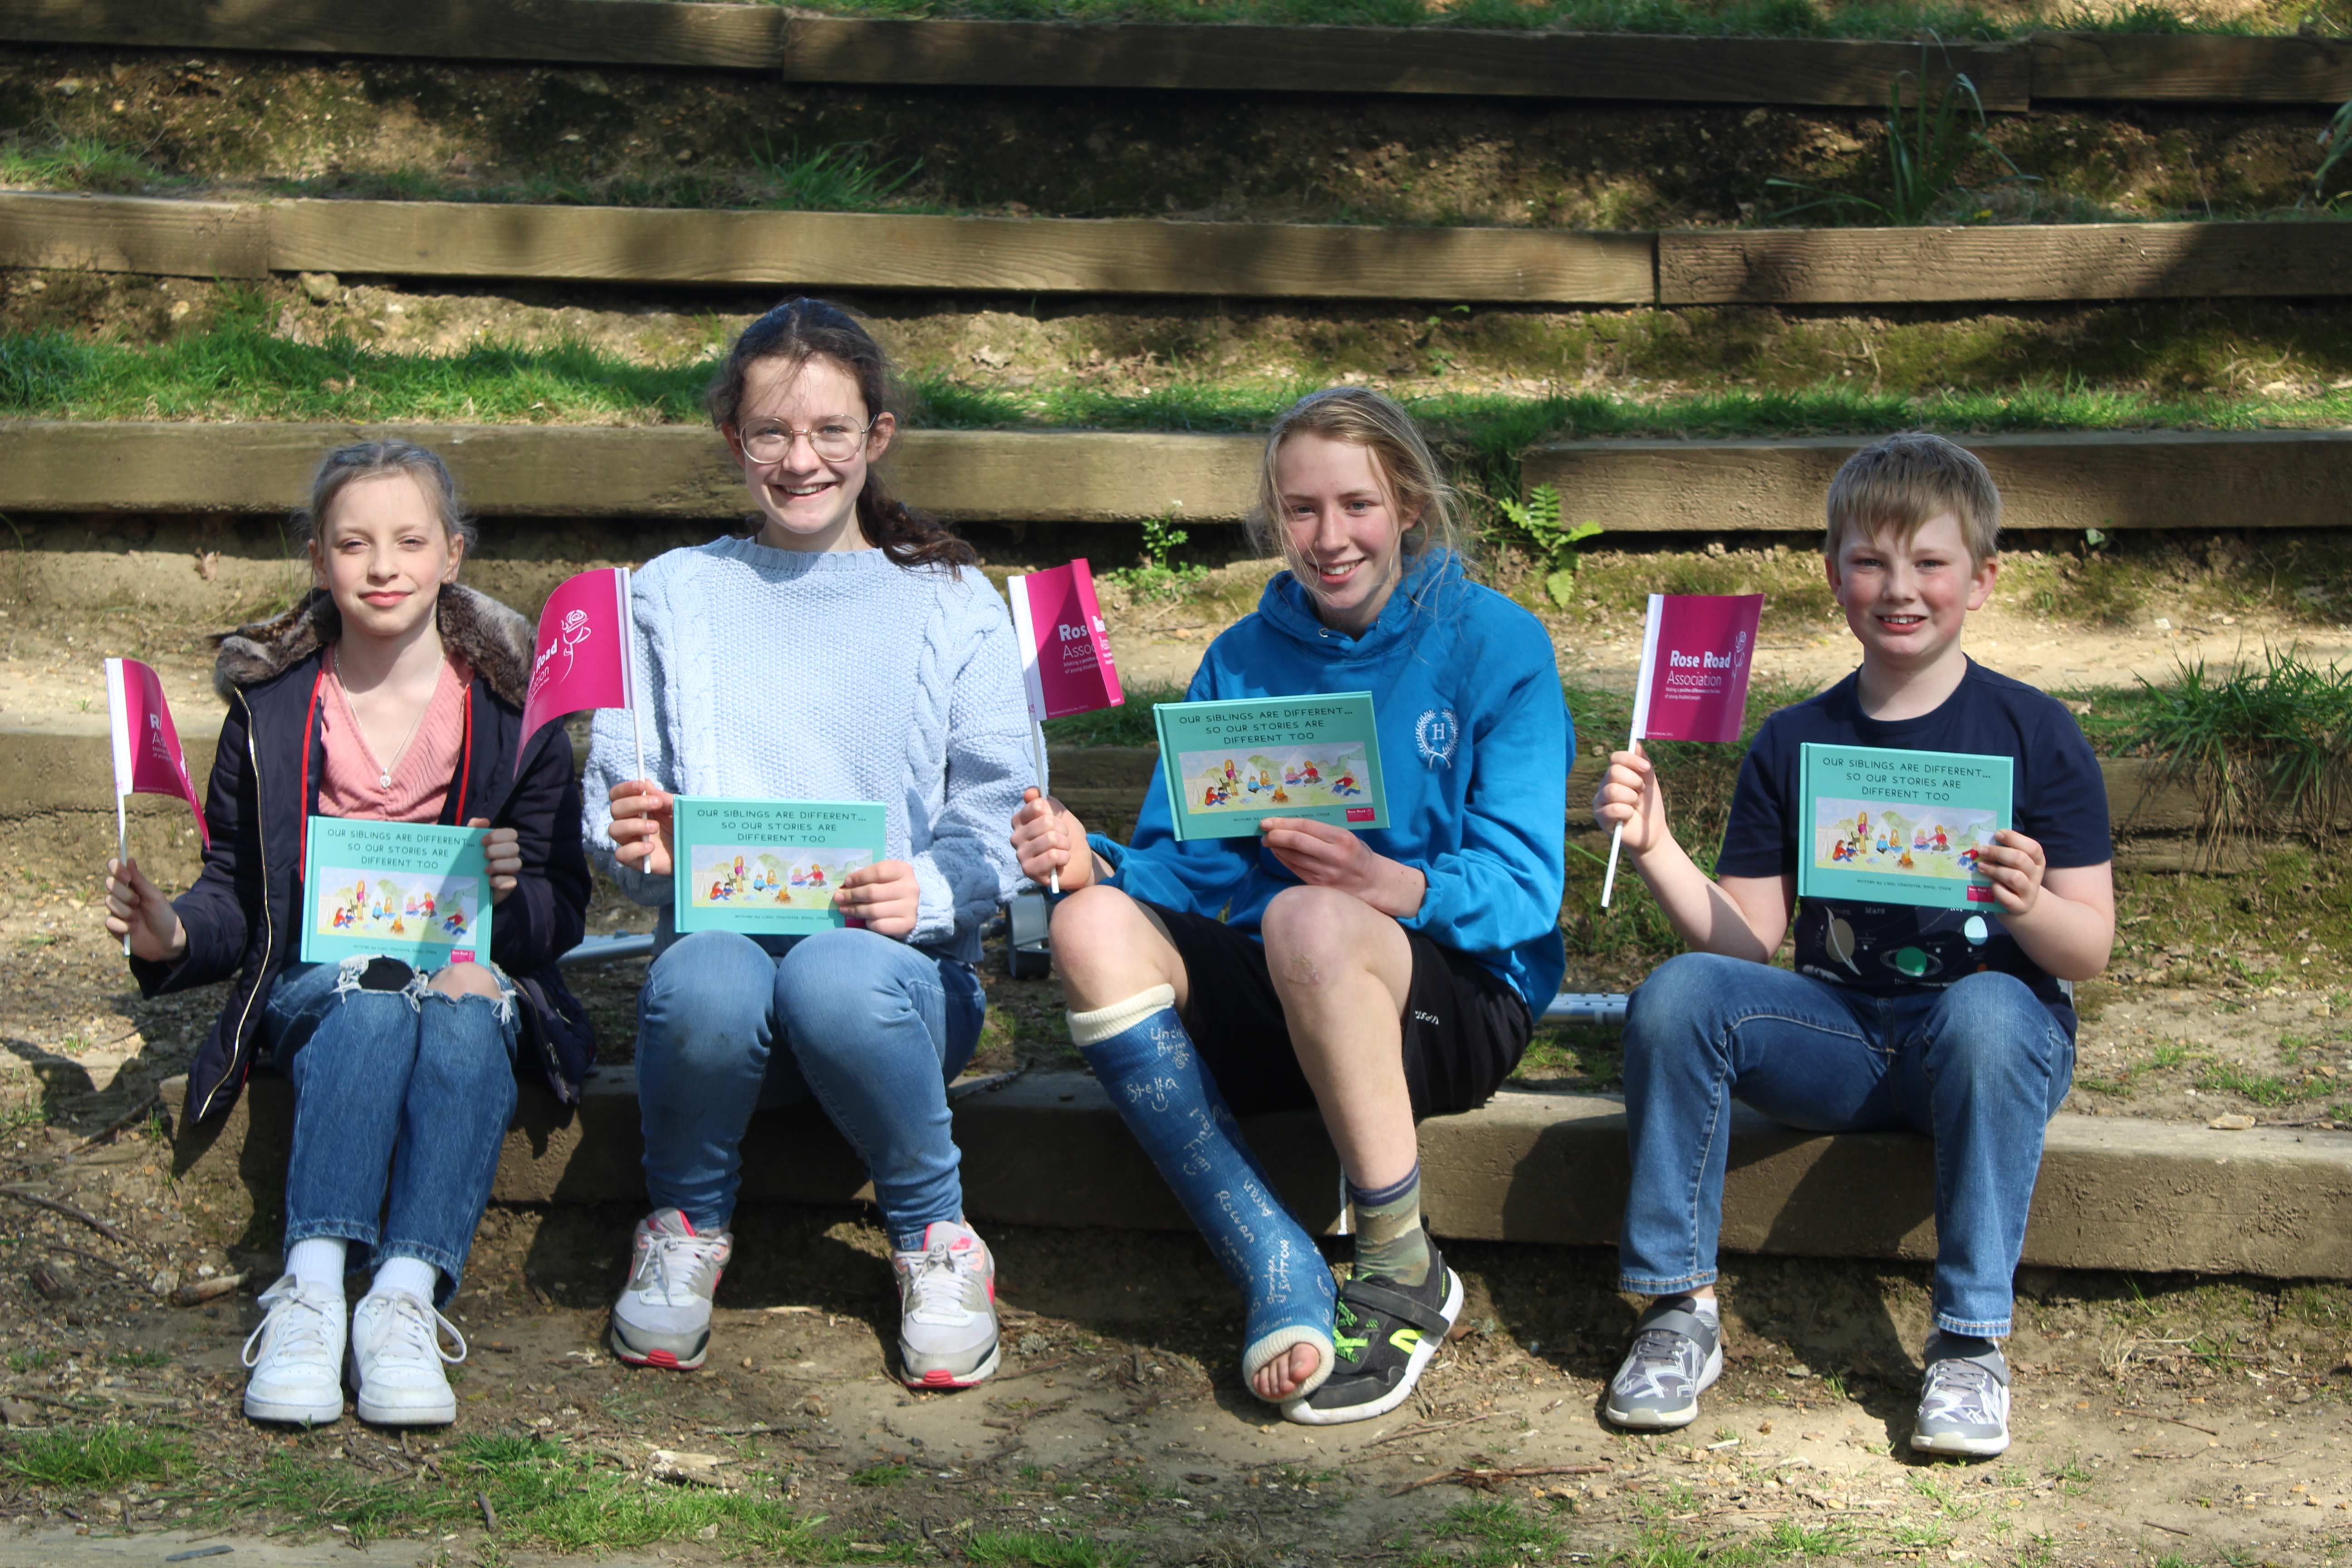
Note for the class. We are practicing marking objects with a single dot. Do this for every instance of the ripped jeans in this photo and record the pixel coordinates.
(402, 1096)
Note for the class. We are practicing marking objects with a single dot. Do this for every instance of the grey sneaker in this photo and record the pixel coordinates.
(663, 1318)
(947, 1309)
(1964, 1400)
(1676, 1356)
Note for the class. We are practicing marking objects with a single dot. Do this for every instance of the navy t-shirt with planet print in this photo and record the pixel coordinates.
(2057, 799)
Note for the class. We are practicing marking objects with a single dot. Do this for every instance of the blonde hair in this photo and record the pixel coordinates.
(1901, 483)
(1413, 483)
(346, 466)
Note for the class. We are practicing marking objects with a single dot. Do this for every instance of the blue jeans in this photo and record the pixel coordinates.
(398, 1090)
(873, 1029)
(1980, 1067)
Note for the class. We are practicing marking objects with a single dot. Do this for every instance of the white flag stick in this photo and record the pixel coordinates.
(1024, 631)
(122, 852)
(1633, 741)
(629, 630)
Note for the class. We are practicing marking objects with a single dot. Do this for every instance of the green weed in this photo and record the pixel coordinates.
(1926, 150)
(2335, 142)
(138, 1359)
(830, 179)
(1157, 577)
(30, 1361)
(2263, 1089)
(76, 164)
(107, 1455)
(1554, 542)
(888, 1473)
(2264, 745)
(1036, 1549)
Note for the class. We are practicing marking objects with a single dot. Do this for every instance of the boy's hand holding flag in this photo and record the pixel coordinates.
(1696, 649)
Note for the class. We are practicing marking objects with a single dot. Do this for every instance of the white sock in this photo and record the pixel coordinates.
(318, 1263)
(1702, 1307)
(412, 1275)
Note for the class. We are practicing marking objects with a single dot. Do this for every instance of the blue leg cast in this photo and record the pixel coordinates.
(1139, 1053)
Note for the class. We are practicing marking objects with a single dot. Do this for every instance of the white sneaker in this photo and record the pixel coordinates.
(663, 1317)
(1963, 1401)
(297, 1356)
(396, 1358)
(947, 1309)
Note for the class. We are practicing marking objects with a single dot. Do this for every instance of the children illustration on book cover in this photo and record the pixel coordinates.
(1899, 838)
(411, 905)
(770, 876)
(1323, 775)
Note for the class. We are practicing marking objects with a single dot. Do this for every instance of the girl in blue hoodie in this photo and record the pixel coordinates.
(1380, 976)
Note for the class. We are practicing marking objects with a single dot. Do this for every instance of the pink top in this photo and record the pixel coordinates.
(415, 787)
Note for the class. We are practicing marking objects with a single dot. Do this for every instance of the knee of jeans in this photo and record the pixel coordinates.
(836, 977)
(360, 976)
(459, 981)
(1989, 1021)
(1673, 994)
(709, 970)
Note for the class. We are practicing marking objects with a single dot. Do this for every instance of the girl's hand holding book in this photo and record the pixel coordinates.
(642, 814)
(503, 848)
(1047, 839)
(137, 908)
(883, 897)
(1323, 855)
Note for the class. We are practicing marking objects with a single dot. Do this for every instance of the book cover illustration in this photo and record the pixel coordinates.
(768, 867)
(1229, 765)
(1899, 828)
(417, 891)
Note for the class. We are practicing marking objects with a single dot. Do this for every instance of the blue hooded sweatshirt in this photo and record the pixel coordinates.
(1476, 745)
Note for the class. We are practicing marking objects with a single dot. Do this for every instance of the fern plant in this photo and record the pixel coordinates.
(1554, 542)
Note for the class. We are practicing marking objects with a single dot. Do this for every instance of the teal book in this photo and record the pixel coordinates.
(768, 868)
(1230, 765)
(1885, 827)
(416, 891)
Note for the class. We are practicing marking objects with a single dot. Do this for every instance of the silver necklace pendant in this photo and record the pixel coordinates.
(383, 779)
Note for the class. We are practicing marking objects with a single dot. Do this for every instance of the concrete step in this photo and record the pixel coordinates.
(1047, 1148)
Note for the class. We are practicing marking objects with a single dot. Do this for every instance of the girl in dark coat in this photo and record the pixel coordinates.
(389, 694)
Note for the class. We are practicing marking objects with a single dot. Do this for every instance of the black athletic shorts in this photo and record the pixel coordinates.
(1463, 1025)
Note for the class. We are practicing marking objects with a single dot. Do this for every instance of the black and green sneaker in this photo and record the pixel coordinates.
(1382, 1337)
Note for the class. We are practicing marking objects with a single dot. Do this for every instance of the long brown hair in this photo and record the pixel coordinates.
(797, 331)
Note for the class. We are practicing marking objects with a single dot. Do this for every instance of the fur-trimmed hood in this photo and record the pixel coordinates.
(493, 640)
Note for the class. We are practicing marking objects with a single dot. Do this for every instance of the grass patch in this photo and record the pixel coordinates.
(108, 1456)
(76, 163)
(1767, 18)
(2264, 745)
(240, 370)
(1499, 1535)
(1129, 724)
(1037, 1549)
(544, 1496)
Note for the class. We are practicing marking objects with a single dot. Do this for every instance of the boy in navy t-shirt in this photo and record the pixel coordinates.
(1951, 1022)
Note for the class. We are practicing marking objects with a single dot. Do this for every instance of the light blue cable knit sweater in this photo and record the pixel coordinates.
(779, 675)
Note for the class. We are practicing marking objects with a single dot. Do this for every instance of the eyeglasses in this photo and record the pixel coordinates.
(836, 441)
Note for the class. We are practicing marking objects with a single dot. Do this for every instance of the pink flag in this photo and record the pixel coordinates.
(1695, 652)
(147, 755)
(1065, 657)
(583, 656)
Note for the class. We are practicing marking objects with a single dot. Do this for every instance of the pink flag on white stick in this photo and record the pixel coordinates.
(1065, 658)
(583, 656)
(1696, 649)
(1695, 653)
(147, 755)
